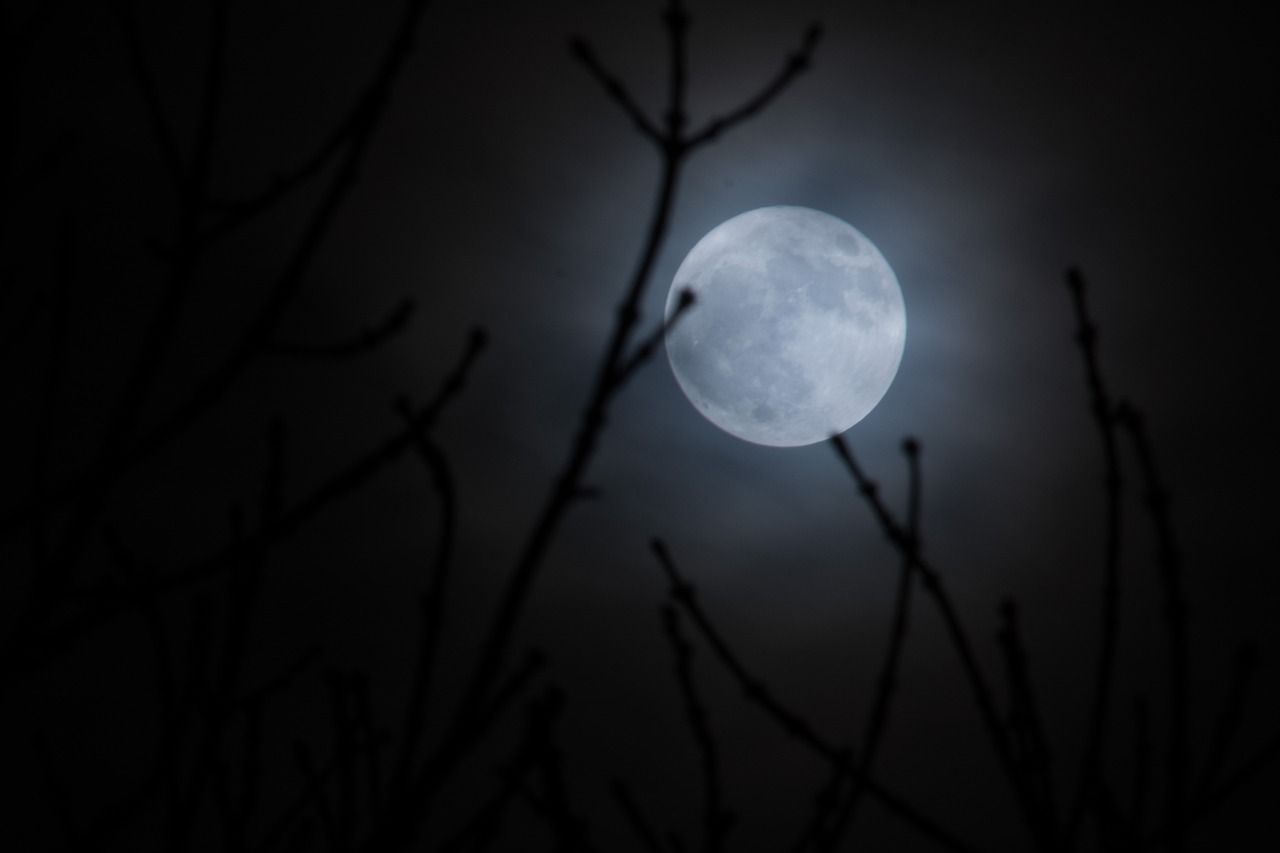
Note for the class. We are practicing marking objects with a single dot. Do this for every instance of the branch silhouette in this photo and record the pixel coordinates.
(799, 729)
(1103, 411)
(716, 818)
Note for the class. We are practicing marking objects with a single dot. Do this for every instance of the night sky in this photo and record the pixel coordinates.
(983, 150)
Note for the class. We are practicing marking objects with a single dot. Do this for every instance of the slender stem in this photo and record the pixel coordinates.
(564, 492)
(1104, 418)
(798, 728)
(1175, 610)
(933, 585)
(873, 734)
(432, 606)
(715, 818)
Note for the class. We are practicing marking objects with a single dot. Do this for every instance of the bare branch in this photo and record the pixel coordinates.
(1261, 760)
(482, 829)
(240, 213)
(260, 332)
(121, 456)
(431, 616)
(1156, 498)
(898, 536)
(1104, 417)
(645, 350)
(112, 599)
(796, 63)
(877, 721)
(516, 684)
(463, 731)
(582, 51)
(1031, 748)
(716, 819)
(569, 828)
(799, 729)
(676, 21)
(635, 817)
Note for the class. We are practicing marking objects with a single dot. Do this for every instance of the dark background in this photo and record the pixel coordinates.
(983, 149)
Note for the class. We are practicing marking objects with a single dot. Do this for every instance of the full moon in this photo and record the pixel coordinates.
(798, 327)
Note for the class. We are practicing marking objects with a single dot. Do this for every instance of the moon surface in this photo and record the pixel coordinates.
(797, 330)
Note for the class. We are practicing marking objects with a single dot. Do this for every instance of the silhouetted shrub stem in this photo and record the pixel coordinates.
(932, 581)
(1103, 411)
(1156, 498)
(799, 729)
(886, 684)
(716, 819)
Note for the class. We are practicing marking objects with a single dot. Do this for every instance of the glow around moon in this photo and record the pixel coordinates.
(797, 331)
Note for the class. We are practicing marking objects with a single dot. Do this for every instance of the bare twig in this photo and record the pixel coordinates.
(873, 735)
(676, 21)
(1104, 417)
(479, 833)
(617, 91)
(567, 486)
(431, 617)
(1258, 762)
(1031, 748)
(516, 684)
(799, 729)
(716, 819)
(237, 214)
(257, 337)
(932, 581)
(796, 63)
(646, 348)
(291, 816)
(635, 816)
(113, 599)
(124, 455)
(218, 701)
(570, 830)
(158, 334)
(1156, 498)
(682, 593)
